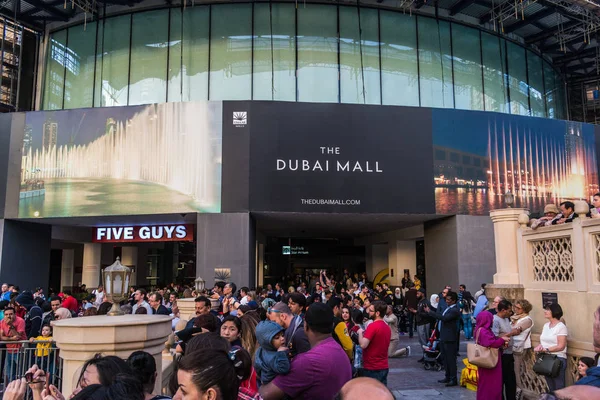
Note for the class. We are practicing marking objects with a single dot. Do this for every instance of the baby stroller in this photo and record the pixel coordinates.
(401, 313)
(431, 353)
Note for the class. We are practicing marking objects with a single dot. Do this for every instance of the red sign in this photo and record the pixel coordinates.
(144, 233)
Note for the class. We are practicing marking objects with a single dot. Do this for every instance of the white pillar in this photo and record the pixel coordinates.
(92, 255)
(66, 268)
(129, 258)
(506, 224)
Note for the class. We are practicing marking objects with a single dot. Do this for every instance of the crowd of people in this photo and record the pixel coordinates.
(316, 340)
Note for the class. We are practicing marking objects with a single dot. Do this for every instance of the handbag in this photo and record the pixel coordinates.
(547, 365)
(482, 357)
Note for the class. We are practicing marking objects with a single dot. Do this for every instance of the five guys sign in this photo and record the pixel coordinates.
(144, 233)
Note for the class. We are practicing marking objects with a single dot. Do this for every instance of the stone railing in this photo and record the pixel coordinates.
(562, 261)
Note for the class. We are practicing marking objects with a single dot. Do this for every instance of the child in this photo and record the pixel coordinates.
(271, 358)
(43, 348)
(358, 319)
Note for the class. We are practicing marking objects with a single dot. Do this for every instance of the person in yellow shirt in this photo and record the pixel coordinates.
(417, 283)
(340, 330)
(43, 348)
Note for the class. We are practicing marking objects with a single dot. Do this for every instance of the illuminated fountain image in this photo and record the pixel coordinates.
(539, 161)
(165, 158)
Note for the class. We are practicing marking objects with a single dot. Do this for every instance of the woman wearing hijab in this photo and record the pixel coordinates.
(489, 385)
(434, 300)
(398, 299)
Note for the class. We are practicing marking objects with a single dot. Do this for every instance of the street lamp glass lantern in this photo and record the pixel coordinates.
(200, 283)
(509, 199)
(116, 280)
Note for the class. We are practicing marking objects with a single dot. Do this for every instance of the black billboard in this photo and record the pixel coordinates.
(306, 157)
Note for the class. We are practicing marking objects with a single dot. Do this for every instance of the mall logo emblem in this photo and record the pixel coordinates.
(240, 118)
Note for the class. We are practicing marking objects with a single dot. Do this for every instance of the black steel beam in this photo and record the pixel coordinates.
(41, 6)
(22, 19)
(461, 5)
(419, 3)
(557, 45)
(538, 37)
(567, 58)
(528, 20)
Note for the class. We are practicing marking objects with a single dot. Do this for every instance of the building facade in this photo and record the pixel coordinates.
(261, 141)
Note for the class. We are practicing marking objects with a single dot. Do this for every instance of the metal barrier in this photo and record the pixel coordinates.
(18, 356)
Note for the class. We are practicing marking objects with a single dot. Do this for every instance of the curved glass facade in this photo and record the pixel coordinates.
(314, 53)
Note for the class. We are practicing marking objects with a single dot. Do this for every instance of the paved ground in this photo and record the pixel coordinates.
(408, 380)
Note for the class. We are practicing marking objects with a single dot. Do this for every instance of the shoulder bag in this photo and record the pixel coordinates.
(547, 364)
(482, 357)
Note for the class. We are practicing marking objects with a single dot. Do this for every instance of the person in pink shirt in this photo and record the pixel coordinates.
(12, 329)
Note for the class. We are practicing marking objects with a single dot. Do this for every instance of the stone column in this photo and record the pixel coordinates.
(506, 224)
(187, 309)
(129, 257)
(66, 268)
(79, 339)
(92, 256)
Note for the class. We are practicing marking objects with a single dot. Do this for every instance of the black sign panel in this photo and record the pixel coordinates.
(342, 158)
(549, 298)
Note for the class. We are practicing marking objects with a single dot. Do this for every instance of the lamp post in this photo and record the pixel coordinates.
(200, 284)
(509, 199)
(116, 279)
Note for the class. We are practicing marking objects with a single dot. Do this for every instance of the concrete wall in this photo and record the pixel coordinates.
(25, 256)
(476, 255)
(459, 250)
(226, 241)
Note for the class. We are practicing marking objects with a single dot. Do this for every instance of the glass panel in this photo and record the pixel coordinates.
(189, 82)
(98, 74)
(231, 52)
(468, 85)
(399, 68)
(536, 85)
(435, 63)
(55, 72)
(115, 63)
(495, 93)
(549, 89)
(149, 49)
(561, 112)
(80, 62)
(317, 53)
(519, 94)
(356, 68)
(274, 52)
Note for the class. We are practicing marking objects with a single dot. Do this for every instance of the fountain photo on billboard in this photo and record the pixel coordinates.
(153, 159)
(479, 156)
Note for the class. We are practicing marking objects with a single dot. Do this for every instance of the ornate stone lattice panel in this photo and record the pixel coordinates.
(572, 374)
(596, 243)
(552, 260)
(533, 383)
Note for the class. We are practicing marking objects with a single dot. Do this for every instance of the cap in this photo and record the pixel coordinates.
(551, 208)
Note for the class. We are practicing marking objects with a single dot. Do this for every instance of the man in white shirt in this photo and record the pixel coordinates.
(140, 301)
(100, 296)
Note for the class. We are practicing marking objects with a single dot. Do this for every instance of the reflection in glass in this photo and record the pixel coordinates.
(231, 52)
(317, 54)
(536, 85)
(435, 63)
(519, 89)
(115, 61)
(399, 70)
(188, 55)
(468, 85)
(549, 88)
(495, 93)
(80, 60)
(359, 56)
(149, 48)
(55, 71)
(274, 60)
